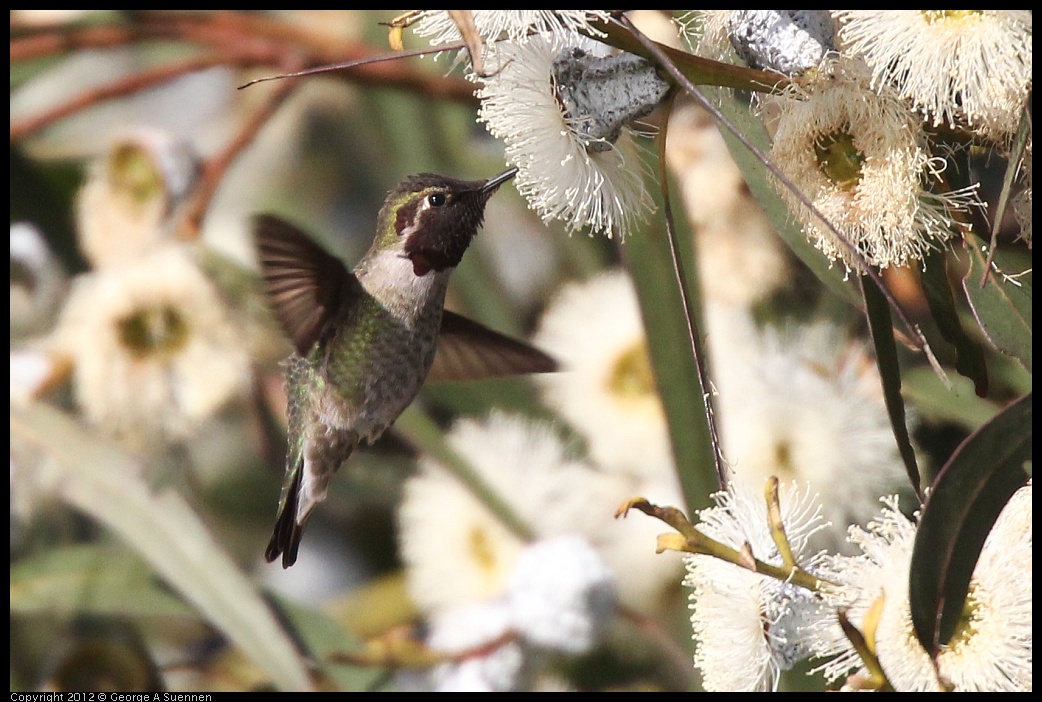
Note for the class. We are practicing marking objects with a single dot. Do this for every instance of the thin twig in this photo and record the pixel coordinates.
(697, 351)
(368, 60)
(216, 167)
(129, 85)
(253, 32)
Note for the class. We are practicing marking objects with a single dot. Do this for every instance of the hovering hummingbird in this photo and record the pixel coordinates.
(365, 340)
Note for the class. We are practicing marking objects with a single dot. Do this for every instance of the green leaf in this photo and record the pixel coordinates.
(321, 636)
(761, 185)
(1013, 165)
(1003, 306)
(969, 359)
(882, 331)
(956, 402)
(698, 70)
(91, 578)
(649, 262)
(102, 481)
(966, 499)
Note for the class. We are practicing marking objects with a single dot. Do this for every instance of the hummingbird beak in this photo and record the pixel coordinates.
(495, 181)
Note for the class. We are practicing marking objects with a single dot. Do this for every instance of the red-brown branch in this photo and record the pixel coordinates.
(232, 39)
(248, 33)
(216, 167)
(129, 85)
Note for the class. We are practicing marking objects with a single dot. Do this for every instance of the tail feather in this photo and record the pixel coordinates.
(300, 498)
(285, 539)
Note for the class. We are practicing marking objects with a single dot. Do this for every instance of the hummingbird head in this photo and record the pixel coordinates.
(431, 219)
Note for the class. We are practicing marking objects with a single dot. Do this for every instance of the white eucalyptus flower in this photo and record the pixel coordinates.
(562, 108)
(749, 627)
(990, 650)
(956, 66)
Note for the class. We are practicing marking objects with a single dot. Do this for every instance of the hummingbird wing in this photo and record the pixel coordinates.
(468, 350)
(305, 285)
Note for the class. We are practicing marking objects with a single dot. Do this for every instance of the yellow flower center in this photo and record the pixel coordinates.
(482, 551)
(966, 627)
(839, 159)
(132, 172)
(153, 330)
(783, 465)
(631, 375)
(932, 16)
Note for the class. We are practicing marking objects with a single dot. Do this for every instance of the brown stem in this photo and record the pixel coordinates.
(129, 85)
(698, 351)
(216, 167)
(250, 32)
(59, 41)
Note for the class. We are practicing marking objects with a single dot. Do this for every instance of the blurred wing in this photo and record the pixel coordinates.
(305, 285)
(471, 351)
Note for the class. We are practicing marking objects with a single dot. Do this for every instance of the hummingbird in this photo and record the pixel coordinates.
(365, 340)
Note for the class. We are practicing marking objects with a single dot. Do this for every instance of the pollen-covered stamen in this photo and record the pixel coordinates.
(941, 15)
(599, 95)
(839, 159)
(153, 330)
(631, 374)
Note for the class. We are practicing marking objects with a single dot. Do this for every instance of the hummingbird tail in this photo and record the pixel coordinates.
(285, 539)
(303, 493)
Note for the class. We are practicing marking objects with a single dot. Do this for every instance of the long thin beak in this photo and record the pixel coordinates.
(495, 181)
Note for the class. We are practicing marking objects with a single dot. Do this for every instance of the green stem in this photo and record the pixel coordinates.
(794, 574)
(419, 429)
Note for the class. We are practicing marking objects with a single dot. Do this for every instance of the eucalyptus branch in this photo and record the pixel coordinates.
(662, 59)
(777, 526)
(215, 168)
(271, 40)
(131, 84)
(695, 68)
(690, 540)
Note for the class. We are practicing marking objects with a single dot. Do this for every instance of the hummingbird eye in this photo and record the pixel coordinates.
(436, 199)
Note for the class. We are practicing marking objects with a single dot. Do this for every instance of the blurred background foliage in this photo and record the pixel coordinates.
(134, 570)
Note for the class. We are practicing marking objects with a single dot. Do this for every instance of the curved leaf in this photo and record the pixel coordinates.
(649, 262)
(1003, 306)
(103, 482)
(935, 401)
(91, 578)
(966, 499)
(969, 356)
(882, 332)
